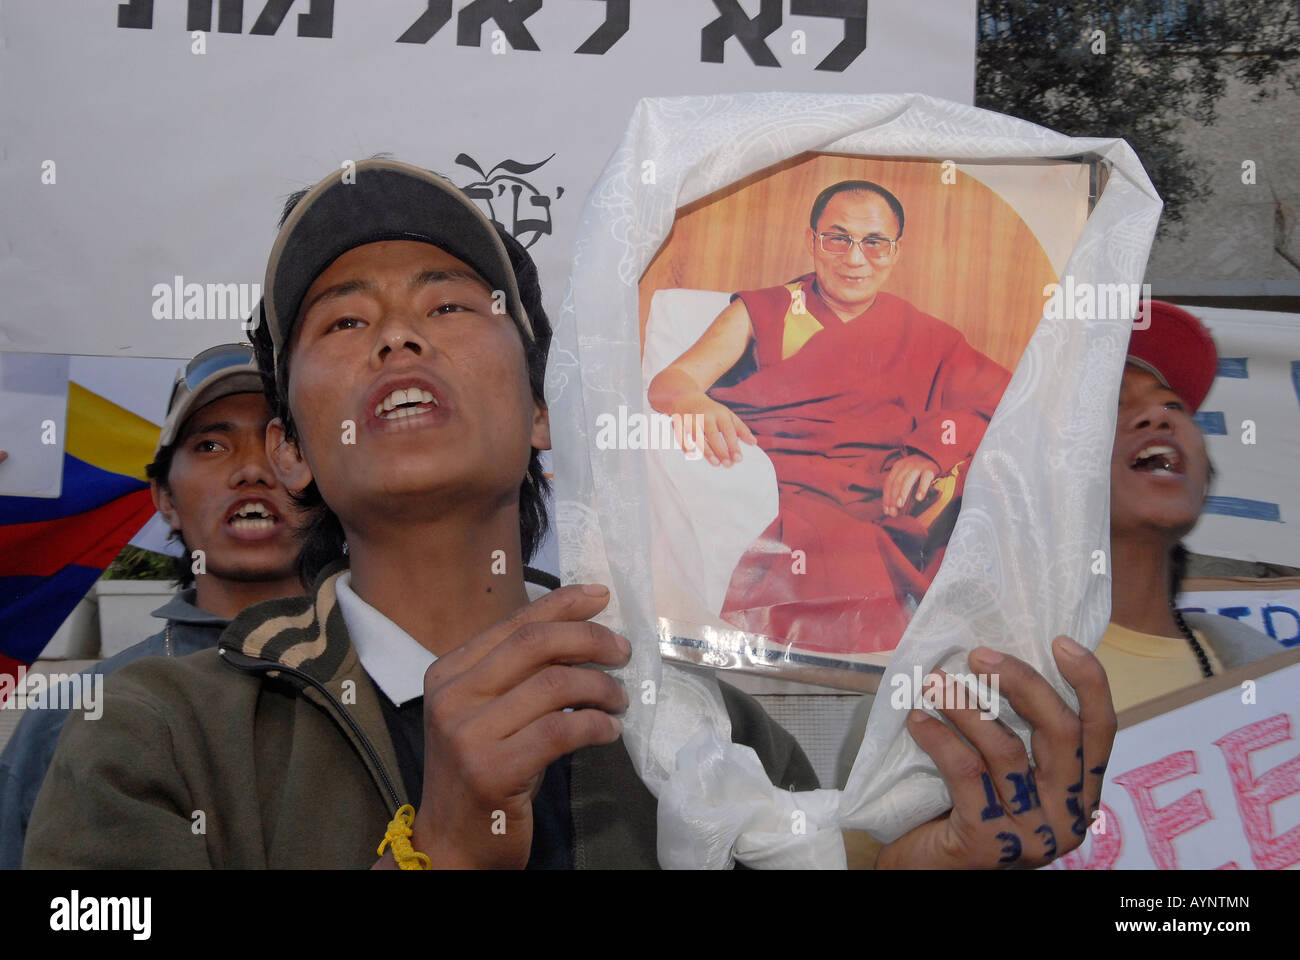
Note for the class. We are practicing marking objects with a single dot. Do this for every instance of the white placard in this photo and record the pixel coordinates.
(135, 164)
(1211, 785)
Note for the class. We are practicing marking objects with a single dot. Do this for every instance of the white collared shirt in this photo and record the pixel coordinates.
(392, 657)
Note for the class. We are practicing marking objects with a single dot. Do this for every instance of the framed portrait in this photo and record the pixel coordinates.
(823, 344)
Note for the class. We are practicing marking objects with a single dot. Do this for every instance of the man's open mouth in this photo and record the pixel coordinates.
(411, 402)
(1159, 459)
(252, 515)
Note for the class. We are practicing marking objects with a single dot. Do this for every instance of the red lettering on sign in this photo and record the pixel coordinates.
(1103, 848)
(1254, 795)
(1162, 824)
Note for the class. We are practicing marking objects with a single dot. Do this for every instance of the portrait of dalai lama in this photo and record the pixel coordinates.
(870, 411)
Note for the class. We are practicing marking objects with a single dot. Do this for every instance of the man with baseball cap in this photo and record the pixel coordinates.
(416, 707)
(406, 340)
(212, 484)
(1160, 477)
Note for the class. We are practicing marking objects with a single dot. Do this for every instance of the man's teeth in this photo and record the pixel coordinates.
(404, 403)
(253, 523)
(252, 516)
(1158, 459)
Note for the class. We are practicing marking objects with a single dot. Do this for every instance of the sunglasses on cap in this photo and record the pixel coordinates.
(204, 365)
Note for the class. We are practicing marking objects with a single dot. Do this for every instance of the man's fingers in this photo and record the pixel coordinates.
(743, 431)
(575, 602)
(1011, 788)
(1041, 707)
(703, 431)
(961, 767)
(554, 735)
(536, 645)
(681, 434)
(923, 487)
(729, 434)
(554, 688)
(892, 491)
(1084, 672)
(909, 479)
(717, 442)
(1056, 740)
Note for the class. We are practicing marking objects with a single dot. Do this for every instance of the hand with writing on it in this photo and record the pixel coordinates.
(914, 470)
(494, 720)
(1006, 813)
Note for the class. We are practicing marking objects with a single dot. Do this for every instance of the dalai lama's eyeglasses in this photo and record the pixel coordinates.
(873, 247)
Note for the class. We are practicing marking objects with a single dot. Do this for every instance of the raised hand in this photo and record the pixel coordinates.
(494, 720)
(1007, 813)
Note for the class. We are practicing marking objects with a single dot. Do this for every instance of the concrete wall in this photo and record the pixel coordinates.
(1228, 247)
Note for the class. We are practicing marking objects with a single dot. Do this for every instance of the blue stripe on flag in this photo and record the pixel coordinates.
(33, 608)
(85, 487)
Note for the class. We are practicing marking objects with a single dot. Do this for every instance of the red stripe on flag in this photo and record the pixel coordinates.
(91, 539)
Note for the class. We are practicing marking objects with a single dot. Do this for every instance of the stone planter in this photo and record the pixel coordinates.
(124, 608)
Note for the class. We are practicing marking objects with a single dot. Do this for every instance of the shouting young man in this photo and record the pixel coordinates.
(213, 485)
(408, 353)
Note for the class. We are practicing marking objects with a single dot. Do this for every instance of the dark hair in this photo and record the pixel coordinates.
(855, 186)
(1179, 555)
(321, 534)
(160, 469)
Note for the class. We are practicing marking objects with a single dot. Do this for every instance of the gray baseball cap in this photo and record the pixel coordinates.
(374, 201)
(215, 373)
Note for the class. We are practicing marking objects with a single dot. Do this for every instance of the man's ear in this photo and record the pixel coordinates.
(541, 438)
(810, 237)
(286, 461)
(162, 501)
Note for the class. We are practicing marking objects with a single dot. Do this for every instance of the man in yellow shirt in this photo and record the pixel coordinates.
(1160, 476)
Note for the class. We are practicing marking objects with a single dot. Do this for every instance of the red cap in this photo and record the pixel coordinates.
(1177, 348)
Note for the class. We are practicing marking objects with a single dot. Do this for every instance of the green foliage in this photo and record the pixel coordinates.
(136, 564)
(1165, 62)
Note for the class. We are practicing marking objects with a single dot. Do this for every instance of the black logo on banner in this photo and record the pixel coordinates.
(502, 192)
(508, 19)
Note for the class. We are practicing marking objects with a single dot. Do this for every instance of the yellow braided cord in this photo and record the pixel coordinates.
(397, 836)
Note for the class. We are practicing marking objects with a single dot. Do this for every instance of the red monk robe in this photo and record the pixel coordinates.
(835, 405)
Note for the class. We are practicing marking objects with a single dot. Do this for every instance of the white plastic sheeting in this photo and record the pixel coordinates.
(1018, 570)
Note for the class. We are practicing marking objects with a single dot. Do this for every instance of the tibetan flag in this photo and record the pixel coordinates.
(53, 550)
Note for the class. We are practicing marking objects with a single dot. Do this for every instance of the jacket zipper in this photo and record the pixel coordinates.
(257, 666)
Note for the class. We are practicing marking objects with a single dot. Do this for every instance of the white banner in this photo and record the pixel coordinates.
(1270, 606)
(149, 147)
(1251, 421)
